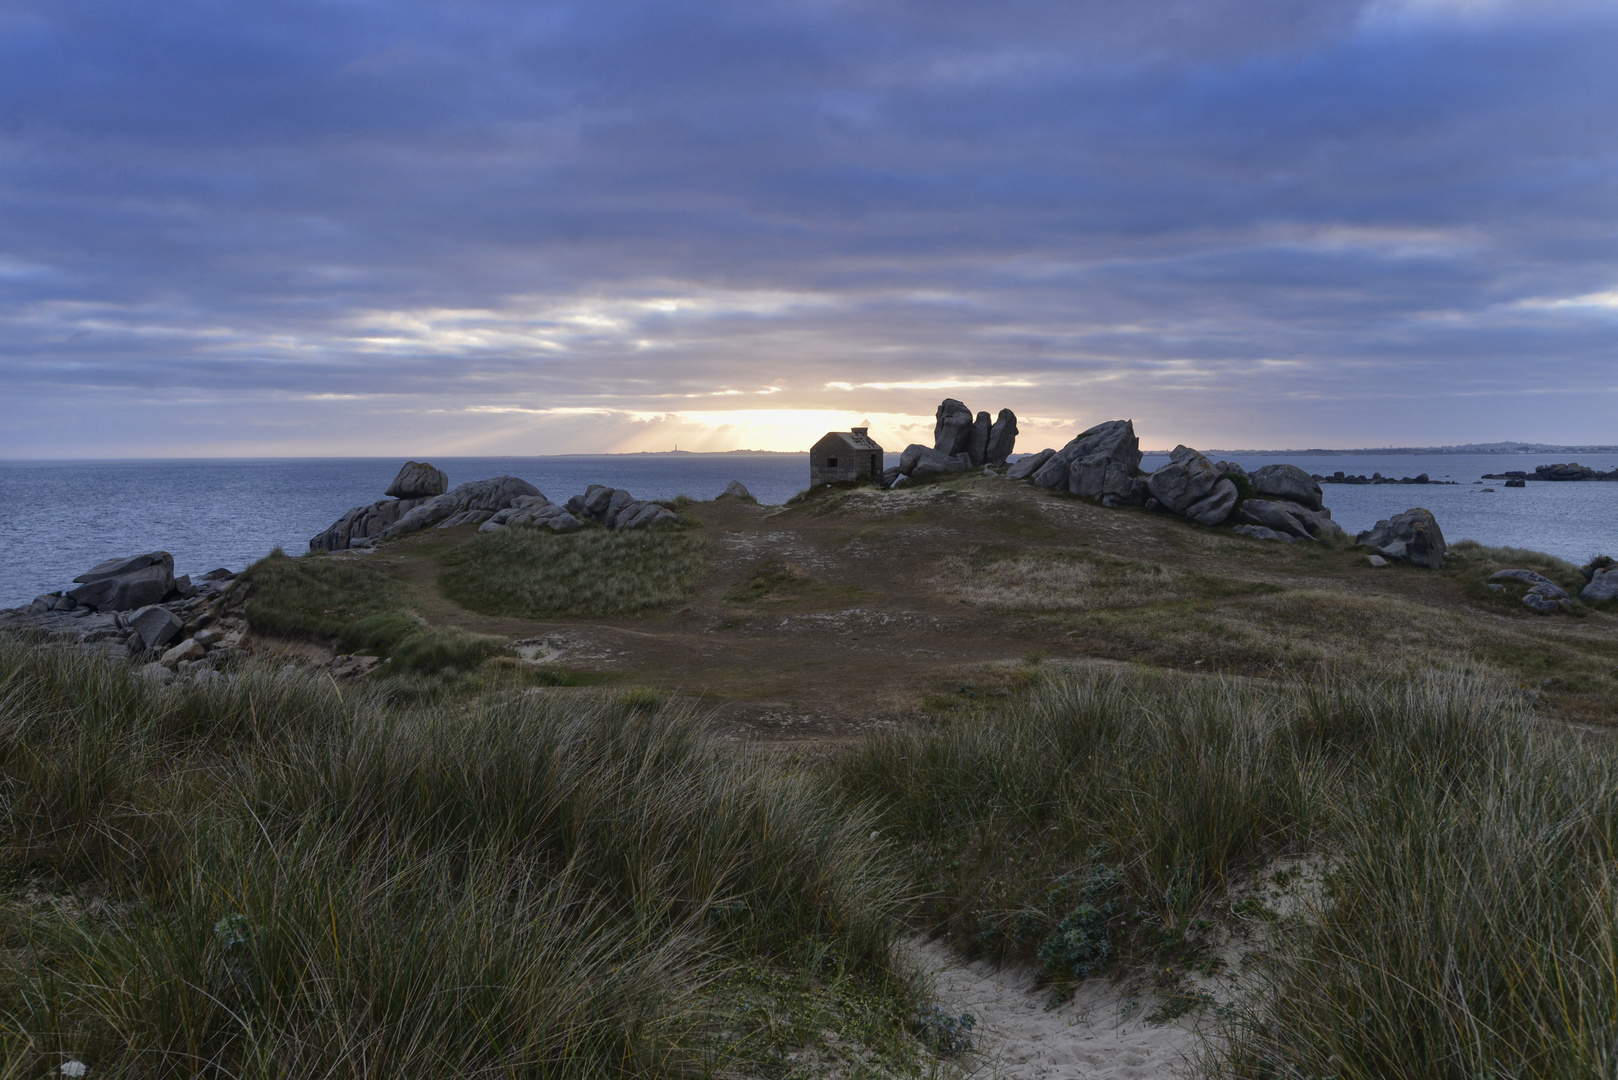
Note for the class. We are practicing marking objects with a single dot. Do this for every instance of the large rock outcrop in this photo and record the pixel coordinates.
(1101, 462)
(616, 508)
(960, 441)
(1029, 464)
(418, 480)
(470, 504)
(125, 584)
(1412, 537)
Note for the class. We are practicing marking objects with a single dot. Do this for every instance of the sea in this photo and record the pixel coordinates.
(61, 517)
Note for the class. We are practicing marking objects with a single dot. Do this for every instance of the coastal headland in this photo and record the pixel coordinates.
(1052, 767)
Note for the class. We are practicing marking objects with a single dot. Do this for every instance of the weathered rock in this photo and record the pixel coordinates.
(465, 517)
(1599, 563)
(736, 490)
(1029, 464)
(156, 626)
(1546, 599)
(156, 672)
(1229, 468)
(207, 638)
(952, 432)
(418, 480)
(889, 475)
(1186, 479)
(1527, 577)
(1216, 506)
(1100, 461)
(933, 463)
(1259, 532)
(1318, 522)
(1516, 483)
(1276, 515)
(1412, 536)
(220, 574)
(977, 442)
(185, 650)
(363, 523)
(489, 495)
(1603, 586)
(638, 515)
(1002, 438)
(900, 481)
(1286, 482)
(125, 584)
(1379, 561)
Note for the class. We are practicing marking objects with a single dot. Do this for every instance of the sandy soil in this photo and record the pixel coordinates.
(1100, 1032)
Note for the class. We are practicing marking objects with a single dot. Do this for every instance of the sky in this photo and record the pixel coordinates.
(481, 227)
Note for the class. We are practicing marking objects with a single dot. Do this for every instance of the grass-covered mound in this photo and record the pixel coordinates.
(315, 596)
(1469, 921)
(535, 573)
(257, 876)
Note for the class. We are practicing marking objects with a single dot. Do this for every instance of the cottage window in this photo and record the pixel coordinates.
(831, 463)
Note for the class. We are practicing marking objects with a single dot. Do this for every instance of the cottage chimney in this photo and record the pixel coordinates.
(860, 431)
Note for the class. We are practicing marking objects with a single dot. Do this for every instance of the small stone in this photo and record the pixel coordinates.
(737, 490)
(185, 650)
(1377, 560)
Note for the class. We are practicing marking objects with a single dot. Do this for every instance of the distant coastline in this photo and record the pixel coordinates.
(1467, 448)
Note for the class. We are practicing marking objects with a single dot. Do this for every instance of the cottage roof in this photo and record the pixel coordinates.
(854, 440)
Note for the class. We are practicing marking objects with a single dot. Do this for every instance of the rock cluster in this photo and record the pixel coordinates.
(1339, 477)
(1570, 471)
(489, 504)
(616, 508)
(1277, 502)
(1544, 595)
(1413, 537)
(174, 628)
(532, 510)
(960, 442)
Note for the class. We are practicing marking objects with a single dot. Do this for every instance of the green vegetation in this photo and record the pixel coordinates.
(257, 876)
(317, 597)
(1468, 923)
(535, 573)
(358, 606)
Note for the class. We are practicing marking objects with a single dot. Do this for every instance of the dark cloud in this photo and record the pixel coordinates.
(1324, 215)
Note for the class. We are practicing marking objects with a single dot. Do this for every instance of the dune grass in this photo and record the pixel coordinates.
(1469, 922)
(259, 876)
(315, 596)
(535, 573)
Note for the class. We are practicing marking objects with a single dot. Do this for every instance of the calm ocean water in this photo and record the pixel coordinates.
(62, 517)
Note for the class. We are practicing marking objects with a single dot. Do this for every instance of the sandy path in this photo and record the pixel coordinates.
(1098, 1033)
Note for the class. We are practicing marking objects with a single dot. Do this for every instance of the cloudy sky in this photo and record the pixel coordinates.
(524, 228)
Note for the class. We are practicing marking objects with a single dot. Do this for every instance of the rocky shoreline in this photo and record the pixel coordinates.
(1564, 473)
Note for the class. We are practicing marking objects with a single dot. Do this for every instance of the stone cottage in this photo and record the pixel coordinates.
(842, 456)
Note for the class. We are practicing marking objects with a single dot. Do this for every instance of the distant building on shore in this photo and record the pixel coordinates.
(842, 456)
